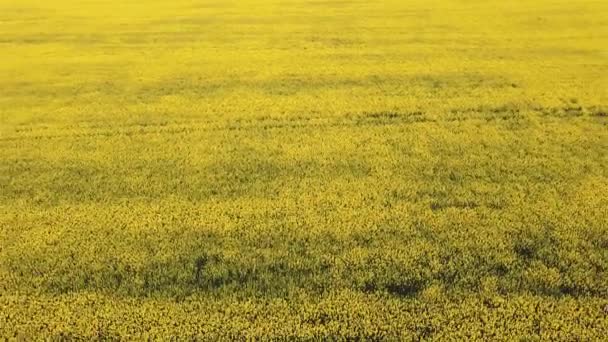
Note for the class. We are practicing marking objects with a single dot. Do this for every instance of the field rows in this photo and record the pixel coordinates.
(514, 115)
(399, 170)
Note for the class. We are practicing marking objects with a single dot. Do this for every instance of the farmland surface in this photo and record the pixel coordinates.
(304, 169)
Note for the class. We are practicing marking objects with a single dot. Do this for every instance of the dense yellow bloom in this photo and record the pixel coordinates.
(303, 169)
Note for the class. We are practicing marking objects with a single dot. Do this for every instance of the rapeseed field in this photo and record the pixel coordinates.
(303, 169)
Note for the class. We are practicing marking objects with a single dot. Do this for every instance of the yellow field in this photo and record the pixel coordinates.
(304, 169)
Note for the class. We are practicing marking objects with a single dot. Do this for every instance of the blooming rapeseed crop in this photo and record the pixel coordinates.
(303, 169)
